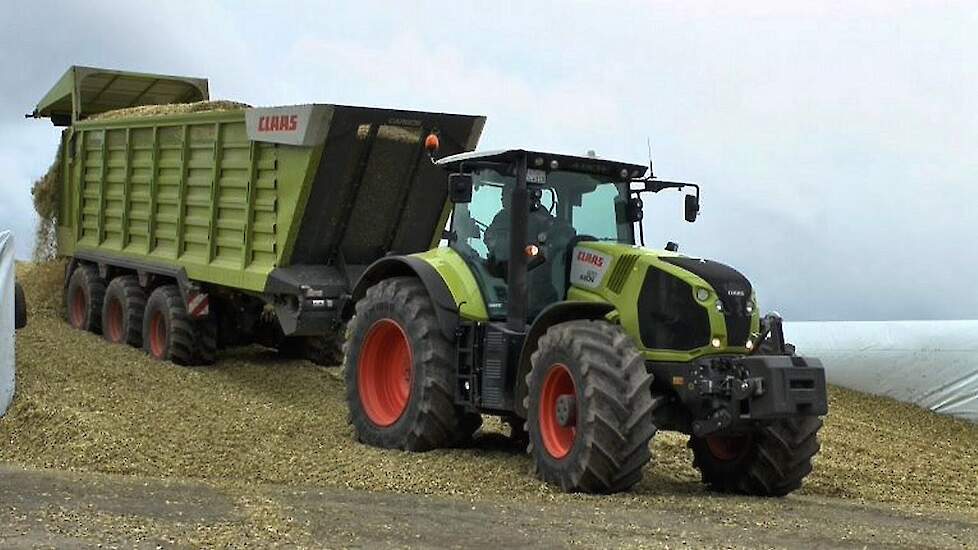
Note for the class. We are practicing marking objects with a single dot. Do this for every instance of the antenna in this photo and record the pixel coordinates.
(648, 142)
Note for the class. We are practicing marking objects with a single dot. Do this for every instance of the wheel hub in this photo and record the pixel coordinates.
(558, 411)
(384, 372)
(567, 410)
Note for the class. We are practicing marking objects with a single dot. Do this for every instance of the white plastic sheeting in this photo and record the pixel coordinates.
(6, 320)
(933, 364)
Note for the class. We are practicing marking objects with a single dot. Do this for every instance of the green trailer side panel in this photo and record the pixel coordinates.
(193, 191)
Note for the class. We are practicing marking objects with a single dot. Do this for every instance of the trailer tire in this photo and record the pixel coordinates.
(205, 340)
(770, 461)
(83, 299)
(589, 408)
(400, 370)
(325, 350)
(168, 330)
(122, 311)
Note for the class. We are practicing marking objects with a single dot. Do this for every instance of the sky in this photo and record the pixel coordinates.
(835, 143)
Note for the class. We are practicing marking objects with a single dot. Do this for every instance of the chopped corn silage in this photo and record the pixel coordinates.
(254, 417)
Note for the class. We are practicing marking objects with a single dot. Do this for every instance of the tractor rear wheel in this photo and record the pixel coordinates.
(589, 408)
(400, 370)
(168, 330)
(122, 311)
(83, 299)
(769, 461)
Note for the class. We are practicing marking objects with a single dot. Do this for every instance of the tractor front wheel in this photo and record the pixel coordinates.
(589, 408)
(772, 460)
(400, 370)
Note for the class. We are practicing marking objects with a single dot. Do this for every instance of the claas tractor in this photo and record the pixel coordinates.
(541, 307)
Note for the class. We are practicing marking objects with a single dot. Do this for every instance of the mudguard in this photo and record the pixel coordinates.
(407, 266)
(557, 313)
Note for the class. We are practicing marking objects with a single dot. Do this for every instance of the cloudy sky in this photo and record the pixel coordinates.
(835, 144)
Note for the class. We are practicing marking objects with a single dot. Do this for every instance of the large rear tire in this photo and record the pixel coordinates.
(770, 461)
(399, 370)
(590, 408)
(168, 330)
(122, 311)
(83, 299)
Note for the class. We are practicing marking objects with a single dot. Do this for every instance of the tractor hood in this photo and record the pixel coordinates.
(677, 306)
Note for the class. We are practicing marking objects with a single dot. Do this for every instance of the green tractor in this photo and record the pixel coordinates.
(544, 310)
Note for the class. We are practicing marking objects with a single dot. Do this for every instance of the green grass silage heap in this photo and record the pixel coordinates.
(84, 404)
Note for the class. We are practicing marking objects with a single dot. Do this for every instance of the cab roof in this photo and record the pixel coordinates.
(544, 161)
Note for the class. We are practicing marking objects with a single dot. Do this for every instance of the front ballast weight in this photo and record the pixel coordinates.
(724, 392)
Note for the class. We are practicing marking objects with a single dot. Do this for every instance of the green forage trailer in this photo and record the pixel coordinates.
(191, 226)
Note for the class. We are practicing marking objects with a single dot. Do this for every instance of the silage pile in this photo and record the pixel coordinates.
(47, 189)
(171, 109)
(255, 417)
(46, 193)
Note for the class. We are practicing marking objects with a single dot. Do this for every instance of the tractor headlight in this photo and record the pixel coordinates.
(702, 294)
(715, 342)
(719, 305)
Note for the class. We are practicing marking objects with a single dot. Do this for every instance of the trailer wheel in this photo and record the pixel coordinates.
(770, 461)
(325, 350)
(83, 299)
(122, 311)
(205, 339)
(168, 330)
(400, 370)
(589, 408)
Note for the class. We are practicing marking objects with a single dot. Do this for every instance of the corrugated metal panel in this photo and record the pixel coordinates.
(202, 194)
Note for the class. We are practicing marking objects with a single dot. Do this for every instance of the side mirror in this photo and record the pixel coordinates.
(692, 207)
(633, 210)
(460, 188)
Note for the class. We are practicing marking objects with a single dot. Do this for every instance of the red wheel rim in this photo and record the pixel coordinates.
(557, 440)
(157, 335)
(78, 306)
(113, 321)
(728, 447)
(384, 372)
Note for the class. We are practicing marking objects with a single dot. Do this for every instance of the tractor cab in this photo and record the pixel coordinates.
(564, 200)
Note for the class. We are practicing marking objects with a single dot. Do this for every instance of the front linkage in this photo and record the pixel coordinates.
(753, 420)
(733, 392)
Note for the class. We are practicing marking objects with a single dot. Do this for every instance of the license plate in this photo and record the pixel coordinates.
(536, 176)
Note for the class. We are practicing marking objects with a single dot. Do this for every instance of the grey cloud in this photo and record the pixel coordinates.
(834, 143)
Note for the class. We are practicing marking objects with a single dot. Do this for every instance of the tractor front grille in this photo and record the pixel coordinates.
(669, 316)
(732, 288)
(623, 268)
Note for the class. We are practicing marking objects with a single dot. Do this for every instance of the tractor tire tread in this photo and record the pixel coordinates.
(616, 422)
